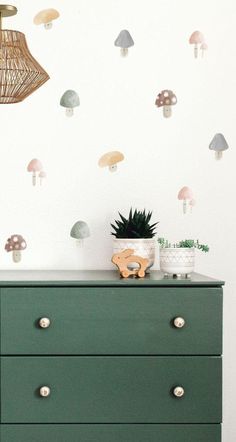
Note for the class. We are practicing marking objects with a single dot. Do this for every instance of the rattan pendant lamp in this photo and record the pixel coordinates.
(20, 73)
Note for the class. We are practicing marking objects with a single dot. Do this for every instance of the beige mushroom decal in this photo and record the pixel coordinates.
(46, 17)
(15, 244)
(196, 39)
(166, 99)
(110, 160)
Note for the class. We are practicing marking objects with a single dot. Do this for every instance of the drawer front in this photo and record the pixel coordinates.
(110, 389)
(111, 321)
(110, 433)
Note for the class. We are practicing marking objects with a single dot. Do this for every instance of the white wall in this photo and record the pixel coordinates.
(117, 112)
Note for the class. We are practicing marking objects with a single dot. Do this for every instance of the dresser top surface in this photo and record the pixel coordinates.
(104, 278)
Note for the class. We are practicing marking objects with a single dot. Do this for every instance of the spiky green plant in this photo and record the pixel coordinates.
(137, 225)
(185, 243)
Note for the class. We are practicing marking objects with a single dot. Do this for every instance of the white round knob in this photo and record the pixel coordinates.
(44, 322)
(179, 322)
(44, 391)
(178, 392)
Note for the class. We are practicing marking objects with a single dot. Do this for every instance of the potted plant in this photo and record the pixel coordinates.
(179, 258)
(135, 232)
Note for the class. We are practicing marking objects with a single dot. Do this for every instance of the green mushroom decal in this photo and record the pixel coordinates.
(80, 231)
(70, 100)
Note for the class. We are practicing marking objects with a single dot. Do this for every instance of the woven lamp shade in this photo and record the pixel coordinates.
(20, 73)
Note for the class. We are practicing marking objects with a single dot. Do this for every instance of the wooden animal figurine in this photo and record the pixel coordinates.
(124, 258)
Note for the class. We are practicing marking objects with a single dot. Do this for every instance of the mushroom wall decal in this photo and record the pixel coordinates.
(70, 100)
(46, 17)
(192, 203)
(15, 244)
(110, 160)
(42, 176)
(35, 166)
(124, 41)
(196, 39)
(80, 231)
(203, 48)
(166, 99)
(185, 194)
(218, 144)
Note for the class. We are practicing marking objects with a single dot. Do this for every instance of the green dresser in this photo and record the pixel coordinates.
(89, 357)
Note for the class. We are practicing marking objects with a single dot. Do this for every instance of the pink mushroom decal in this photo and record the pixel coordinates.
(196, 39)
(15, 244)
(35, 166)
(192, 203)
(166, 99)
(203, 48)
(42, 176)
(185, 194)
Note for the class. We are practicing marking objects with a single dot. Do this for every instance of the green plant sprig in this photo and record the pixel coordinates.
(186, 243)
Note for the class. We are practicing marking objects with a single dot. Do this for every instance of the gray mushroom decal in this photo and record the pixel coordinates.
(15, 244)
(124, 41)
(70, 100)
(80, 231)
(166, 99)
(218, 144)
(46, 17)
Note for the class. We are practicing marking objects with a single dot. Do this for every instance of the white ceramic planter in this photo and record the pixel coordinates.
(142, 247)
(177, 261)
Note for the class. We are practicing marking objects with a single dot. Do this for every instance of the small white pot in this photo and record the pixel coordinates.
(177, 261)
(144, 247)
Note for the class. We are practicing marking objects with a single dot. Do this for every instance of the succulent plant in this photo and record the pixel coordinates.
(137, 225)
(185, 243)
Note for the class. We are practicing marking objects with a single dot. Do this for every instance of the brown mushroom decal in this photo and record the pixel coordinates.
(15, 244)
(46, 17)
(35, 166)
(185, 194)
(166, 99)
(110, 160)
(196, 39)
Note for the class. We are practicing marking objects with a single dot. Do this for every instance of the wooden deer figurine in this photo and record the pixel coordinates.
(124, 258)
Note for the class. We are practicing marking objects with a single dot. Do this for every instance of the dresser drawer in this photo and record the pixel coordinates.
(111, 321)
(110, 389)
(110, 433)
